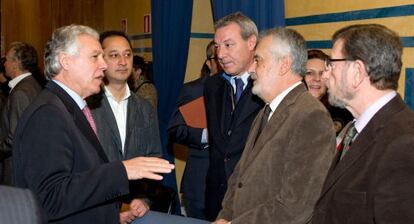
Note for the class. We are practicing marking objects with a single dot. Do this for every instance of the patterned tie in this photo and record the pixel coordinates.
(87, 112)
(239, 88)
(349, 137)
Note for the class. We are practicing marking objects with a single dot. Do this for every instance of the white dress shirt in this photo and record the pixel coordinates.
(120, 112)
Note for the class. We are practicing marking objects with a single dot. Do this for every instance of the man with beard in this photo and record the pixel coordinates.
(288, 151)
(371, 177)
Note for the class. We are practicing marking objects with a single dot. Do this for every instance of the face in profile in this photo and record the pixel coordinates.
(313, 77)
(339, 78)
(265, 71)
(233, 52)
(85, 69)
(118, 56)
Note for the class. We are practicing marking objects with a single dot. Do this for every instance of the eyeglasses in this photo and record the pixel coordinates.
(329, 65)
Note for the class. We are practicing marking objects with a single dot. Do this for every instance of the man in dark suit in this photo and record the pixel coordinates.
(20, 60)
(56, 152)
(127, 124)
(371, 178)
(193, 183)
(230, 105)
(288, 151)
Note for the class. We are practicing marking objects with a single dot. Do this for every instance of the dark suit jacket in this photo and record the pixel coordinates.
(228, 132)
(193, 183)
(142, 134)
(280, 175)
(19, 206)
(20, 97)
(58, 156)
(373, 183)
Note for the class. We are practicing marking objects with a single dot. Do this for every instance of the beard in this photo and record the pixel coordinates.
(336, 102)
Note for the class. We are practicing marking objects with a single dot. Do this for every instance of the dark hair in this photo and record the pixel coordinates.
(317, 54)
(26, 54)
(378, 47)
(113, 33)
(138, 62)
(2, 68)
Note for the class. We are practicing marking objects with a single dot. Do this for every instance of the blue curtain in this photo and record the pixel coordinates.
(171, 29)
(265, 13)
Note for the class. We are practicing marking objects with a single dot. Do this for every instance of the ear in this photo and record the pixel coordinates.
(208, 63)
(64, 61)
(360, 73)
(285, 65)
(251, 42)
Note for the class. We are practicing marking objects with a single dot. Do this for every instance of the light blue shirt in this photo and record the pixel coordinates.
(78, 99)
(367, 115)
(244, 77)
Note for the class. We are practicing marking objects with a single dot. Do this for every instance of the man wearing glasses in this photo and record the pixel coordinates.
(371, 177)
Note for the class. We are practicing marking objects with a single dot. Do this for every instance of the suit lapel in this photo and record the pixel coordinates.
(362, 143)
(110, 120)
(273, 126)
(133, 111)
(243, 111)
(78, 118)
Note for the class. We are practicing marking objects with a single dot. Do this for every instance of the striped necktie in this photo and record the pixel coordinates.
(348, 139)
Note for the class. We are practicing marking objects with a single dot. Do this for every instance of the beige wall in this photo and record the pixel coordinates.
(404, 25)
(133, 11)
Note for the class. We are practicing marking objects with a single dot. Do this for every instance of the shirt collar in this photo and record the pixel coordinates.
(109, 94)
(16, 80)
(243, 76)
(78, 99)
(278, 99)
(367, 115)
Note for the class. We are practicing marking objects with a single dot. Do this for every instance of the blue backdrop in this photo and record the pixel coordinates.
(265, 13)
(171, 28)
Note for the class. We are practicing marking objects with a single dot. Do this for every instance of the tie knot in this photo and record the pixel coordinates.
(349, 137)
(239, 88)
(86, 110)
(351, 131)
(267, 111)
(239, 82)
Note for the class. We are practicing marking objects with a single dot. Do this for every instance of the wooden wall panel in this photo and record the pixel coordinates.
(33, 21)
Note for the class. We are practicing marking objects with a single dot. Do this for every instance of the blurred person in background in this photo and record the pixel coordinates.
(141, 81)
(317, 87)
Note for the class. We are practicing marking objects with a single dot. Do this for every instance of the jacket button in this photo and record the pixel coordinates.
(226, 159)
(240, 185)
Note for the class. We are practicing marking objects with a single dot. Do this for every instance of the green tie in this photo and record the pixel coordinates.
(349, 137)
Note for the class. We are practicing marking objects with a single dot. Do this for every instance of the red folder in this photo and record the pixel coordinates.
(194, 113)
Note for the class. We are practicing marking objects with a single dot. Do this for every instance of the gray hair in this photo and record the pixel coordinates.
(378, 47)
(288, 42)
(247, 26)
(25, 54)
(64, 39)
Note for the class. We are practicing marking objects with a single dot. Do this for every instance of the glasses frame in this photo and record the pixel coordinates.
(329, 65)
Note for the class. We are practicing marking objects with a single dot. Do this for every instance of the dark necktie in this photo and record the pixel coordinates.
(87, 112)
(349, 137)
(264, 120)
(239, 88)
